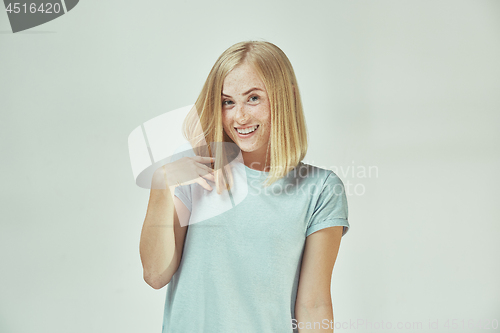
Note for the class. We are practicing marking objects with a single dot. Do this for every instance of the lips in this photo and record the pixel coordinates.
(246, 134)
(247, 129)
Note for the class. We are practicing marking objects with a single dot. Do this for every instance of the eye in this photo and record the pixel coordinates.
(226, 102)
(256, 98)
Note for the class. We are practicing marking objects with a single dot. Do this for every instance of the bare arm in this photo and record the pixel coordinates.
(167, 218)
(162, 236)
(314, 310)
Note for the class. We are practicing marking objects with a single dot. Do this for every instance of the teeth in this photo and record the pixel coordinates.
(247, 130)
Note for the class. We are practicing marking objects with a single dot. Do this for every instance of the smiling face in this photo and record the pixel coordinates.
(246, 114)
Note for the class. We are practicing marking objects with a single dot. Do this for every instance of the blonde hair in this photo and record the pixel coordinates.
(288, 138)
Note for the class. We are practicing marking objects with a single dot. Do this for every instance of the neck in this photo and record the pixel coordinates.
(256, 161)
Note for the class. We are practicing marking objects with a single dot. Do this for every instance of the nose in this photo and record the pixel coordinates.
(241, 116)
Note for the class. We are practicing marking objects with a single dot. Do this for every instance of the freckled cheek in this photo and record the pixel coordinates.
(267, 124)
(264, 115)
(266, 119)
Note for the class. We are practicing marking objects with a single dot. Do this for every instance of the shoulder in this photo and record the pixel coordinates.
(316, 174)
(319, 181)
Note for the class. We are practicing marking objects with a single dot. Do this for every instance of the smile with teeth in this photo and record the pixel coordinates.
(247, 130)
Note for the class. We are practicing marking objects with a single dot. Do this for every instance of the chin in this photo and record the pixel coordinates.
(247, 149)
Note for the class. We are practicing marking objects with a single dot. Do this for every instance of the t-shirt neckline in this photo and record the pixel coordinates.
(256, 173)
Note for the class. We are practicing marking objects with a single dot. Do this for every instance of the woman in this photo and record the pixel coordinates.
(257, 254)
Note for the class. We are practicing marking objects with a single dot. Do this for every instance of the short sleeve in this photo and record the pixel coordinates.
(331, 207)
(184, 194)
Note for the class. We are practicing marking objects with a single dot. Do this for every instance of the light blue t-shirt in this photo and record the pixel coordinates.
(243, 250)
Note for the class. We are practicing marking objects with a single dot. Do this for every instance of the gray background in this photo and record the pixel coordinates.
(408, 87)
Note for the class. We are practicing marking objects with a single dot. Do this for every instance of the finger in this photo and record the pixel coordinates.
(203, 170)
(209, 177)
(203, 184)
(204, 160)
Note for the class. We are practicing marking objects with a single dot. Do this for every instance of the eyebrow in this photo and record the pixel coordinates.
(246, 92)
